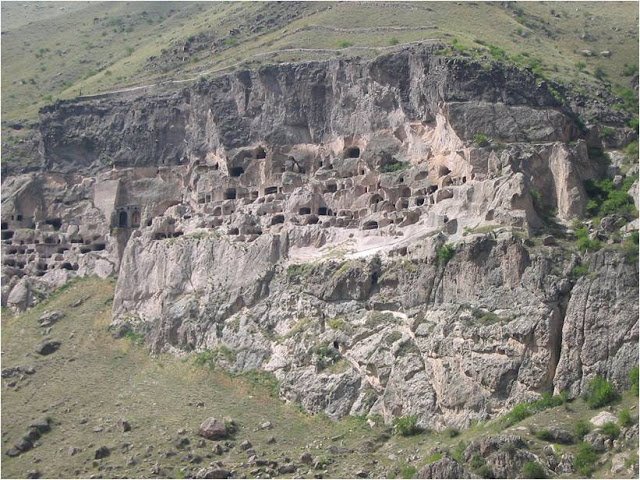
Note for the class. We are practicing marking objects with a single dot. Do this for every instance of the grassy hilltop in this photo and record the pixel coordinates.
(61, 50)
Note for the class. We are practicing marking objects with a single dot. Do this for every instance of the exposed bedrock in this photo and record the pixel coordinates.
(353, 226)
(395, 335)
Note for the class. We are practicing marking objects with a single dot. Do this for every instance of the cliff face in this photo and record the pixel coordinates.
(309, 103)
(499, 324)
(357, 227)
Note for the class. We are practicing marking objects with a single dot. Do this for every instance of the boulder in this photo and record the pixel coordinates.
(102, 452)
(602, 418)
(48, 347)
(49, 318)
(213, 429)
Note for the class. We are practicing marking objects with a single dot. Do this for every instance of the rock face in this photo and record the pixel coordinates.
(354, 227)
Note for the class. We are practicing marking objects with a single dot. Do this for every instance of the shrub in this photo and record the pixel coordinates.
(485, 472)
(634, 374)
(599, 73)
(631, 150)
(544, 435)
(586, 458)
(452, 432)
(344, 44)
(445, 253)
(533, 470)
(408, 471)
(477, 461)
(133, 337)
(458, 452)
(406, 426)
(584, 243)
(629, 70)
(434, 457)
(582, 428)
(611, 430)
(481, 140)
(394, 166)
(394, 41)
(624, 417)
(579, 271)
(581, 66)
(630, 247)
(600, 393)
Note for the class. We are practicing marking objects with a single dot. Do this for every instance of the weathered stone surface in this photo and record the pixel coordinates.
(213, 429)
(49, 318)
(243, 211)
(443, 468)
(603, 417)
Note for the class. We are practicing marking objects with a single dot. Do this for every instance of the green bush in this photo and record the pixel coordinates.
(524, 410)
(600, 393)
(406, 426)
(611, 430)
(625, 418)
(630, 70)
(477, 461)
(133, 337)
(586, 458)
(579, 271)
(631, 150)
(630, 247)
(481, 140)
(634, 374)
(344, 44)
(394, 41)
(394, 166)
(485, 472)
(584, 243)
(544, 435)
(533, 470)
(408, 471)
(445, 253)
(582, 428)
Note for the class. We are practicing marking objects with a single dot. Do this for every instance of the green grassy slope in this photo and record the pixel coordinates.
(93, 380)
(105, 46)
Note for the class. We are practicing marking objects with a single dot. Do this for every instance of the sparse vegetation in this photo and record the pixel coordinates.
(524, 410)
(481, 140)
(600, 392)
(586, 459)
(133, 337)
(394, 166)
(406, 426)
(634, 374)
(584, 242)
(611, 430)
(533, 470)
(625, 418)
(445, 253)
(344, 44)
(582, 427)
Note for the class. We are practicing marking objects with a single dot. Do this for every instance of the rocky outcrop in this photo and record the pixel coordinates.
(356, 227)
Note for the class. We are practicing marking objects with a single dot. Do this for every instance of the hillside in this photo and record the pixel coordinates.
(356, 239)
(90, 48)
(93, 381)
